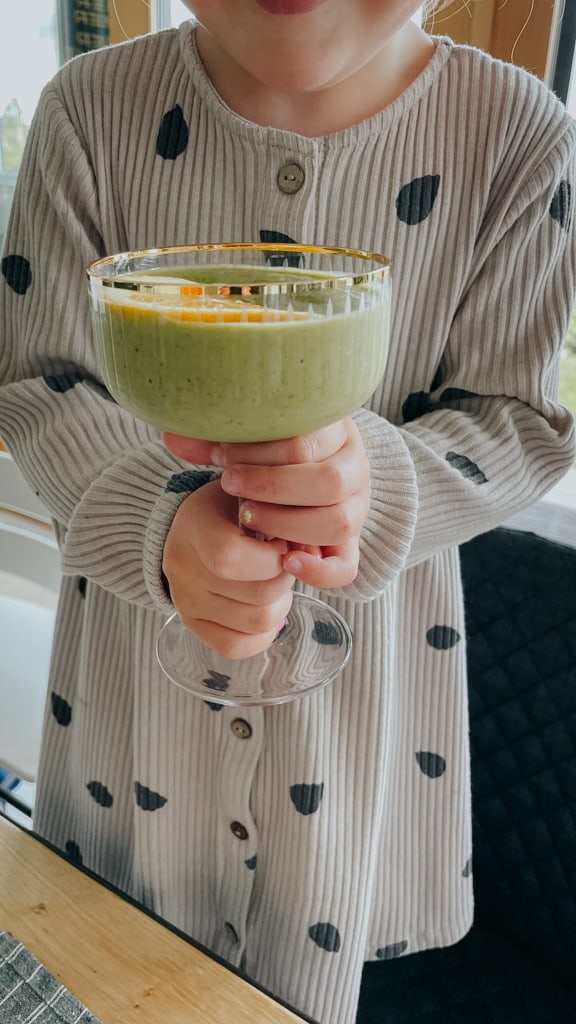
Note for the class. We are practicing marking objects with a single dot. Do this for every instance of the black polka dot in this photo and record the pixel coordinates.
(16, 270)
(306, 798)
(415, 200)
(467, 870)
(466, 467)
(61, 709)
(73, 851)
(189, 481)
(147, 799)
(101, 795)
(421, 402)
(430, 764)
(326, 936)
(251, 863)
(561, 205)
(173, 135)
(442, 637)
(62, 382)
(82, 586)
(217, 681)
(231, 932)
(213, 706)
(327, 633)
(280, 258)
(417, 404)
(391, 951)
(456, 395)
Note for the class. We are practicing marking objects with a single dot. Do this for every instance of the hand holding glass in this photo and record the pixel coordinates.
(245, 343)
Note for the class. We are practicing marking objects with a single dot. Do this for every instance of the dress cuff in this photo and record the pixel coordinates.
(179, 487)
(388, 533)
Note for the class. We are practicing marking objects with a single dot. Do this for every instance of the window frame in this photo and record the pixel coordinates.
(563, 56)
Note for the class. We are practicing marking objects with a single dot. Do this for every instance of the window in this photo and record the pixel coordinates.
(167, 13)
(562, 75)
(28, 58)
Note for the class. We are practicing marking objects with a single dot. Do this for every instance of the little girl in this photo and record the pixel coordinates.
(298, 841)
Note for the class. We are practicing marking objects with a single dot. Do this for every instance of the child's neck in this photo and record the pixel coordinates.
(322, 111)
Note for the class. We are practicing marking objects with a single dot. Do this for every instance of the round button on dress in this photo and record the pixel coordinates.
(241, 729)
(239, 830)
(290, 179)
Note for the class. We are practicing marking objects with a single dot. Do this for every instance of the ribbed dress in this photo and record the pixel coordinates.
(294, 841)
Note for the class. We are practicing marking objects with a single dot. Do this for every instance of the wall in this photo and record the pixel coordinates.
(513, 30)
(128, 18)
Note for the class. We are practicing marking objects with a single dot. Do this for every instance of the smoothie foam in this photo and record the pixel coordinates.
(224, 368)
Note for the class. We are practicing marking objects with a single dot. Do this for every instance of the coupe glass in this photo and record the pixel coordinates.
(245, 342)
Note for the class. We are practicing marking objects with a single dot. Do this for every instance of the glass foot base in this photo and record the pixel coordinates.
(308, 653)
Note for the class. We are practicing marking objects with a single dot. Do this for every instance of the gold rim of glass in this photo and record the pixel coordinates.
(97, 270)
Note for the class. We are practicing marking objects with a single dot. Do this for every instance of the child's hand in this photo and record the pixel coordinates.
(228, 588)
(312, 491)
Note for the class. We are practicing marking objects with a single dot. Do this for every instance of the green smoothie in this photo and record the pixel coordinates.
(224, 368)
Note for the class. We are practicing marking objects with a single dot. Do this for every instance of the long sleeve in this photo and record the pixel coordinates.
(104, 476)
(488, 437)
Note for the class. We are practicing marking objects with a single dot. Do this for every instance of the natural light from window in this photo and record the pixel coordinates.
(28, 58)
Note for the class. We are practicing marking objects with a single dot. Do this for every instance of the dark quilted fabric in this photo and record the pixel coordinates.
(518, 964)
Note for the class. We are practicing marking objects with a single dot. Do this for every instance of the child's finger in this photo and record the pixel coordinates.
(313, 447)
(325, 525)
(232, 643)
(188, 448)
(336, 567)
